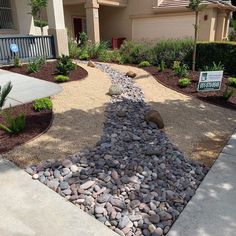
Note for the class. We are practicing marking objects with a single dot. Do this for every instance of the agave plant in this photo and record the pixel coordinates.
(3, 93)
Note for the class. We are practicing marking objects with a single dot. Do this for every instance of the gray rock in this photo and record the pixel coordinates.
(165, 216)
(121, 113)
(99, 210)
(115, 89)
(64, 185)
(87, 184)
(118, 203)
(104, 198)
(57, 173)
(67, 163)
(124, 221)
(53, 184)
(154, 218)
(74, 168)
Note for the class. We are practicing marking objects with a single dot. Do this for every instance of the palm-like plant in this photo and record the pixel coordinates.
(195, 6)
(3, 93)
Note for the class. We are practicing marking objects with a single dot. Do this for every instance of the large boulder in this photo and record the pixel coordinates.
(131, 74)
(154, 117)
(91, 64)
(115, 89)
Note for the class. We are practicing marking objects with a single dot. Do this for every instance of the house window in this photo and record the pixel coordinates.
(6, 18)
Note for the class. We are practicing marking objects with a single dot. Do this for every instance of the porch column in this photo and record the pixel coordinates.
(56, 24)
(92, 18)
(220, 29)
(227, 22)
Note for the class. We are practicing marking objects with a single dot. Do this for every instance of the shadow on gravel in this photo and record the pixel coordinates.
(200, 130)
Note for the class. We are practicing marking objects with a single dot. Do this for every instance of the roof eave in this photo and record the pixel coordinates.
(160, 9)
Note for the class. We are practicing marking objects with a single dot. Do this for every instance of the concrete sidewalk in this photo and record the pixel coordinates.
(26, 89)
(212, 211)
(29, 208)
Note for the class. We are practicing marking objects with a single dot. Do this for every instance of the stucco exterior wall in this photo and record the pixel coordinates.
(23, 21)
(208, 24)
(71, 11)
(119, 20)
(165, 26)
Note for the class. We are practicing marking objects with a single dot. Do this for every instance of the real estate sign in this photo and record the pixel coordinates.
(210, 81)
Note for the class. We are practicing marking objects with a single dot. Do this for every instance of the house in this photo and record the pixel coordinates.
(146, 19)
(104, 19)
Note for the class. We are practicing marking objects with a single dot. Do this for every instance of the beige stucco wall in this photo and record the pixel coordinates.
(71, 11)
(207, 28)
(163, 27)
(120, 24)
(23, 21)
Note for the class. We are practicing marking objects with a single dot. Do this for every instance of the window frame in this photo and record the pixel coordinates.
(14, 21)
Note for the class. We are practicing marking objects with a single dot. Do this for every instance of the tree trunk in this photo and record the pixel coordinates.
(195, 41)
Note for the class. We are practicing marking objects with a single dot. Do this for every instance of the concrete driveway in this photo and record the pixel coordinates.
(26, 89)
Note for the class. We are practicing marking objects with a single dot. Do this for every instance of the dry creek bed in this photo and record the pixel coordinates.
(135, 180)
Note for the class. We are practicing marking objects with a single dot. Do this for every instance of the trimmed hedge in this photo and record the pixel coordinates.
(224, 52)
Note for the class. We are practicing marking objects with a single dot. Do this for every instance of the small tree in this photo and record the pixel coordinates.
(37, 7)
(195, 6)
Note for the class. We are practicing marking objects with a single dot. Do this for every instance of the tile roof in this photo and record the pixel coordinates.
(183, 3)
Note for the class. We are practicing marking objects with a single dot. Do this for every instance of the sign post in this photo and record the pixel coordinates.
(210, 81)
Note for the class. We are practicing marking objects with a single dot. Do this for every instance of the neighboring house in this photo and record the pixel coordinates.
(104, 19)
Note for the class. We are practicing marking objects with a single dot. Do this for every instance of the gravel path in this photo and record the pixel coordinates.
(200, 130)
(78, 121)
(134, 181)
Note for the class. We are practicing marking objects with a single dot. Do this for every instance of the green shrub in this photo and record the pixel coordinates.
(105, 56)
(180, 70)
(214, 67)
(162, 66)
(64, 65)
(173, 50)
(61, 78)
(134, 53)
(36, 65)
(144, 64)
(17, 62)
(83, 39)
(73, 49)
(33, 67)
(84, 56)
(42, 104)
(228, 93)
(224, 52)
(184, 82)
(232, 82)
(13, 124)
(116, 57)
(95, 49)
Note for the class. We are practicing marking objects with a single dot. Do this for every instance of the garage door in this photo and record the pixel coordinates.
(163, 27)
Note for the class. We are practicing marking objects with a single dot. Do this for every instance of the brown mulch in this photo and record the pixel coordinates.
(36, 123)
(168, 79)
(47, 72)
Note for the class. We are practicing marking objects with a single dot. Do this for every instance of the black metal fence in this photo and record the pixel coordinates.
(30, 47)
